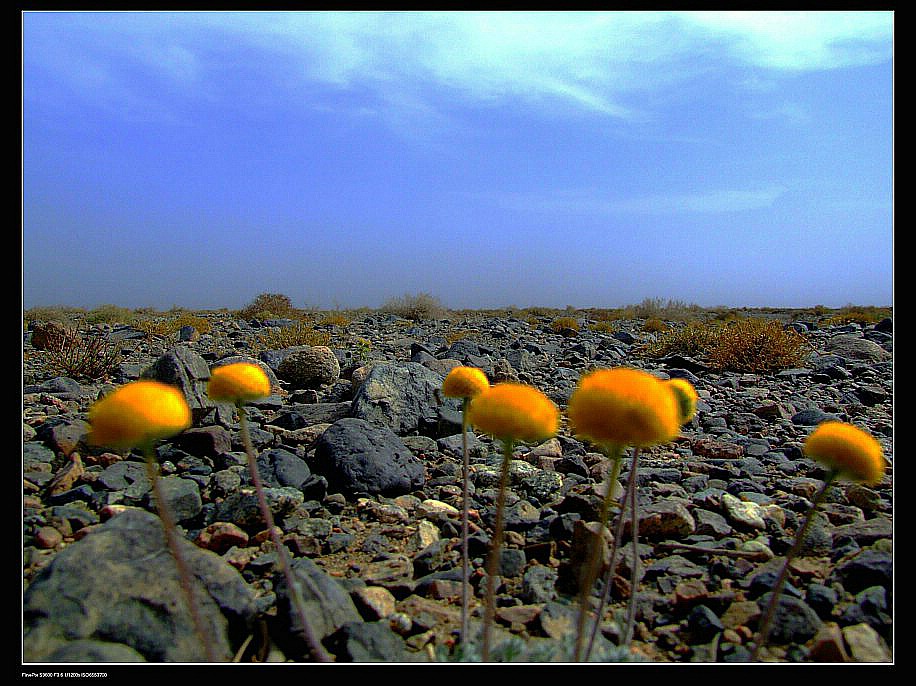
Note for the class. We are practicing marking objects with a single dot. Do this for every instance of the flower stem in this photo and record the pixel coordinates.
(634, 538)
(184, 573)
(609, 580)
(764, 630)
(590, 572)
(465, 513)
(495, 546)
(317, 650)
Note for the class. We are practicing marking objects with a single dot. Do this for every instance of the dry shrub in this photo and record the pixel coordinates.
(758, 346)
(562, 323)
(457, 335)
(81, 355)
(654, 326)
(754, 345)
(416, 308)
(335, 319)
(694, 339)
(111, 314)
(602, 327)
(858, 314)
(278, 338)
(268, 306)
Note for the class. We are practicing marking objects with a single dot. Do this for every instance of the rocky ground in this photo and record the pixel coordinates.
(362, 455)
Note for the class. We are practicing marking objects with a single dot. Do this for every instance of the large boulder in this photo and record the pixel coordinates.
(120, 585)
(310, 367)
(407, 398)
(356, 456)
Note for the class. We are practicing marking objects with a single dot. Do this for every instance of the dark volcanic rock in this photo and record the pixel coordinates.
(406, 398)
(359, 457)
(120, 585)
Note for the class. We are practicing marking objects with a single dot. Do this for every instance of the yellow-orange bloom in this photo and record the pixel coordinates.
(465, 382)
(238, 382)
(512, 411)
(624, 406)
(686, 398)
(138, 414)
(852, 452)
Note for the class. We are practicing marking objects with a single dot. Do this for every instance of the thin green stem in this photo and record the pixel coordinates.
(590, 572)
(495, 549)
(317, 650)
(609, 579)
(171, 537)
(764, 630)
(634, 538)
(465, 514)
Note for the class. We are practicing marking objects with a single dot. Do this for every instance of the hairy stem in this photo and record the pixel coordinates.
(465, 513)
(317, 650)
(590, 572)
(764, 630)
(495, 549)
(609, 580)
(184, 573)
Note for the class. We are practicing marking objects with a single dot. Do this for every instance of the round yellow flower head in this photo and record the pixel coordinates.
(624, 406)
(238, 382)
(137, 414)
(852, 452)
(512, 411)
(686, 398)
(465, 382)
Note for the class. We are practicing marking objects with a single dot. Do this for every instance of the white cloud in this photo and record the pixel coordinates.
(600, 62)
(801, 40)
(592, 201)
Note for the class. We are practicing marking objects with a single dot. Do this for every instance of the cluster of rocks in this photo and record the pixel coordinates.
(361, 459)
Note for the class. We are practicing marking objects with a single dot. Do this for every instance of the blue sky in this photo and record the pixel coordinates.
(490, 159)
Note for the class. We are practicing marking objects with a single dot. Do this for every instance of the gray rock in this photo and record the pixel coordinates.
(539, 584)
(309, 367)
(88, 650)
(279, 467)
(181, 496)
(328, 607)
(368, 642)
(793, 621)
(357, 456)
(812, 417)
(854, 347)
(121, 475)
(120, 584)
(205, 440)
(868, 568)
(407, 398)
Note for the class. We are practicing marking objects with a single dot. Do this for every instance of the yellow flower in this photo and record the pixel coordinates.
(238, 382)
(624, 406)
(852, 452)
(514, 412)
(138, 414)
(465, 382)
(686, 398)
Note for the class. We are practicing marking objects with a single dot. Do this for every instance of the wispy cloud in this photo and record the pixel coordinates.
(599, 62)
(592, 201)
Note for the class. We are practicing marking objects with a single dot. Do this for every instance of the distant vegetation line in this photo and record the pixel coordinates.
(423, 306)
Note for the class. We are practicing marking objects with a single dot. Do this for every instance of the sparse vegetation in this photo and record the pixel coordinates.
(78, 354)
(268, 306)
(110, 314)
(286, 336)
(418, 307)
(758, 346)
(564, 323)
(654, 326)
